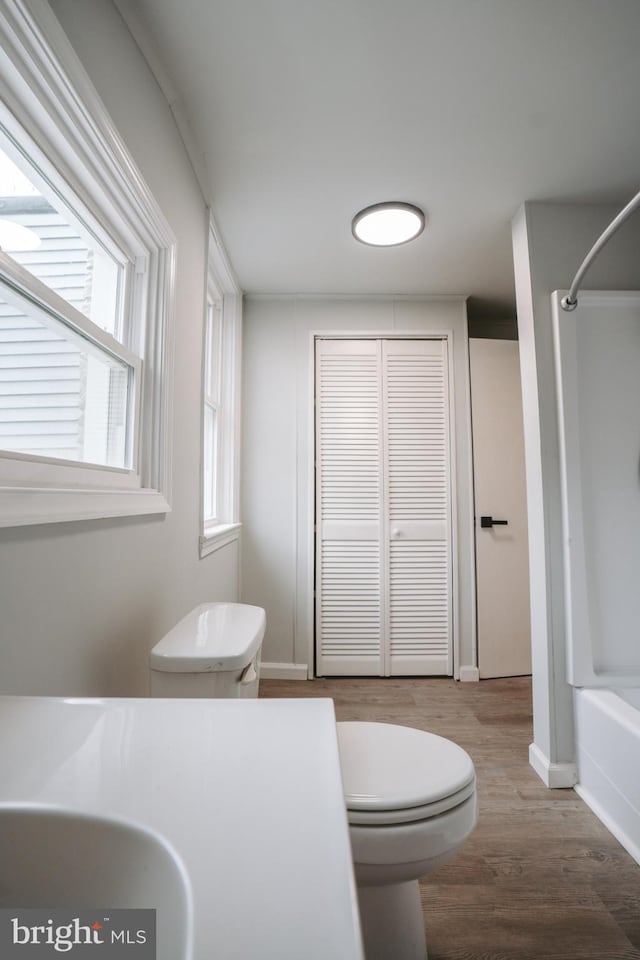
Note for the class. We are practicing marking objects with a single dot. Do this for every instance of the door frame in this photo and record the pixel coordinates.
(305, 606)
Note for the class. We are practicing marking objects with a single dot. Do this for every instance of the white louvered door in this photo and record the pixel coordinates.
(383, 557)
(416, 437)
(349, 508)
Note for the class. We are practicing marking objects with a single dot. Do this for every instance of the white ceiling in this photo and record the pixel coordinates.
(307, 110)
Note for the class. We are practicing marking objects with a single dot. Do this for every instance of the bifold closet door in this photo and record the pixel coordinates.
(349, 508)
(417, 508)
(383, 543)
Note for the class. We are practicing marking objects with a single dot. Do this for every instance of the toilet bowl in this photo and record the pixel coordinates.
(411, 803)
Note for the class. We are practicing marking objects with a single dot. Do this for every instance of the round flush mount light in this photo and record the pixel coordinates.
(388, 224)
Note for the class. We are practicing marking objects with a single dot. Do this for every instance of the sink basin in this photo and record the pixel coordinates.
(56, 857)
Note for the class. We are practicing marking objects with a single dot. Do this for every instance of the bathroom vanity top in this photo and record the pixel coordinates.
(247, 792)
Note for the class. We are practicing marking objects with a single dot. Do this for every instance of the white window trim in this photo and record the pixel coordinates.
(213, 341)
(218, 536)
(221, 278)
(45, 86)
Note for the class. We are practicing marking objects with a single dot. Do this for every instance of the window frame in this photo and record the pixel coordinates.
(19, 286)
(211, 399)
(66, 129)
(223, 290)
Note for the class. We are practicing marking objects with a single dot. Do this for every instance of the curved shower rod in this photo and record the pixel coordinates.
(570, 301)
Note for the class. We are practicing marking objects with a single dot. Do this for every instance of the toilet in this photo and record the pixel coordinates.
(212, 652)
(411, 803)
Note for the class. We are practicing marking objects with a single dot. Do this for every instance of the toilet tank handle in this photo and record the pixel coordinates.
(249, 674)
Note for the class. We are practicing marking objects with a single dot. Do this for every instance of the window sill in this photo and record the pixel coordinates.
(218, 536)
(24, 506)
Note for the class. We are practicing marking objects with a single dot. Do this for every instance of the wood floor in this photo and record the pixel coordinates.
(541, 878)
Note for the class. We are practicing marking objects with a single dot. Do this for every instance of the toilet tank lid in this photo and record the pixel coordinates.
(212, 637)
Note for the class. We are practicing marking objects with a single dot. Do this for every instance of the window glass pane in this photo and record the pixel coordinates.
(60, 253)
(209, 479)
(213, 354)
(60, 394)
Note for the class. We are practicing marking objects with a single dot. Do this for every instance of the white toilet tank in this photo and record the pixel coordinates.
(212, 652)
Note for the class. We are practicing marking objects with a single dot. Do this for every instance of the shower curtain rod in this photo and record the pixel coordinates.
(570, 301)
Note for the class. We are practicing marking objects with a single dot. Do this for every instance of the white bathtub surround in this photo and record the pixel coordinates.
(256, 819)
(597, 356)
(608, 735)
(597, 349)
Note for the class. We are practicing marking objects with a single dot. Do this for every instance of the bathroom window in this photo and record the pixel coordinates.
(85, 296)
(68, 385)
(212, 412)
(220, 385)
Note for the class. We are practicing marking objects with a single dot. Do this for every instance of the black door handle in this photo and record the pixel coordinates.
(490, 522)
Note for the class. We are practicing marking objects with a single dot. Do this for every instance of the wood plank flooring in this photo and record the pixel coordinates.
(540, 878)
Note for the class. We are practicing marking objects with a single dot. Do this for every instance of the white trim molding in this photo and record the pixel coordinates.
(24, 507)
(469, 675)
(222, 284)
(218, 536)
(617, 816)
(553, 775)
(51, 104)
(283, 671)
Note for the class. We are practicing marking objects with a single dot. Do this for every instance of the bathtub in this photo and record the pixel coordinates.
(607, 752)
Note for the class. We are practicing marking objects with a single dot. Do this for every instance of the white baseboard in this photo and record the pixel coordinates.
(469, 675)
(623, 827)
(553, 775)
(283, 671)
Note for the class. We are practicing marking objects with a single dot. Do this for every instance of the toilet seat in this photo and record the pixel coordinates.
(380, 818)
(393, 774)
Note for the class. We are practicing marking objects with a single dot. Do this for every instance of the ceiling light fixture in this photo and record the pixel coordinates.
(388, 224)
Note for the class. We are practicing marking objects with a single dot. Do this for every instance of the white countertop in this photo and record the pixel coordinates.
(248, 792)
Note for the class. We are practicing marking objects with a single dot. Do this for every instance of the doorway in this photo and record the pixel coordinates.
(502, 563)
(383, 581)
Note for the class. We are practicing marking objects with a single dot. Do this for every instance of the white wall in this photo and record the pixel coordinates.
(277, 487)
(81, 603)
(549, 243)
